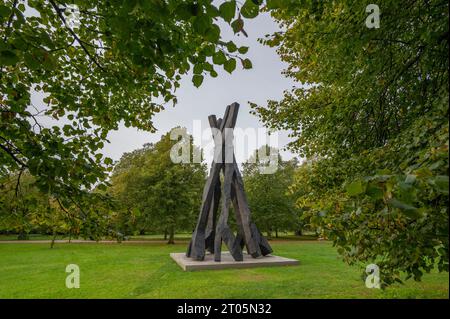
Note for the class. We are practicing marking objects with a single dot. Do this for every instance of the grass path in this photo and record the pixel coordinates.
(146, 271)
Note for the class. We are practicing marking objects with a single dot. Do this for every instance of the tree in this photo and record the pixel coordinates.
(371, 116)
(126, 188)
(119, 61)
(270, 200)
(19, 203)
(25, 209)
(156, 194)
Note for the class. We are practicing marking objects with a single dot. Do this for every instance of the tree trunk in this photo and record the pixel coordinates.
(53, 240)
(22, 235)
(171, 235)
(299, 232)
(276, 233)
(165, 234)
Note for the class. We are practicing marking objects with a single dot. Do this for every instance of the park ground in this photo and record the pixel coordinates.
(144, 269)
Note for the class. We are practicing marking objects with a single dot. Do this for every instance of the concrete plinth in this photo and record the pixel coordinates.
(227, 262)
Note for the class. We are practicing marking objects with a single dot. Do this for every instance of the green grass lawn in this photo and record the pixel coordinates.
(146, 271)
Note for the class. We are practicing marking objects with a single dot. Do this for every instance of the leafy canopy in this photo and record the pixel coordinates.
(370, 114)
(121, 63)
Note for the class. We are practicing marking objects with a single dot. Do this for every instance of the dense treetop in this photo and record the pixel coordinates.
(370, 114)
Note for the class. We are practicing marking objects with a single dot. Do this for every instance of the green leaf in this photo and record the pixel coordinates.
(213, 34)
(247, 64)
(374, 192)
(237, 25)
(197, 80)
(209, 50)
(202, 24)
(275, 4)
(4, 11)
(212, 11)
(8, 57)
(31, 61)
(227, 10)
(198, 68)
(102, 187)
(219, 58)
(243, 50)
(184, 11)
(231, 47)
(230, 65)
(249, 10)
(442, 183)
(207, 66)
(355, 188)
(409, 210)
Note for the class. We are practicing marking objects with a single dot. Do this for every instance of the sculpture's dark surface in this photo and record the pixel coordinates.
(209, 233)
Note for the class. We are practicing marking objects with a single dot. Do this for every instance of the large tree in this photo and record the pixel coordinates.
(118, 60)
(154, 193)
(370, 114)
(270, 199)
(19, 204)
(24, 209)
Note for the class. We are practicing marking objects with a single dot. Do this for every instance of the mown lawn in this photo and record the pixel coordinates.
(146, 271)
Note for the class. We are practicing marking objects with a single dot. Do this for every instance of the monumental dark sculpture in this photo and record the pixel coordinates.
(211, 231)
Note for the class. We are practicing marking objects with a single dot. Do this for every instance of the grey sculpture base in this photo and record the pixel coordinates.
(227, 262)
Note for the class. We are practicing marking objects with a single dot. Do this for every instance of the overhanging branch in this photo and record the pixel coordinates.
(80, 42)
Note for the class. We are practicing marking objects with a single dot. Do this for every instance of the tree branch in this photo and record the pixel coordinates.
(8, 25)
(10, 153)
(80, 42)
(18, 181)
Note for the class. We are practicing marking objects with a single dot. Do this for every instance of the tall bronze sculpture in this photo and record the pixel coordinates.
(210, 232)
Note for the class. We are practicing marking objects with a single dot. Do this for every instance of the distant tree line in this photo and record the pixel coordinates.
(147, 194)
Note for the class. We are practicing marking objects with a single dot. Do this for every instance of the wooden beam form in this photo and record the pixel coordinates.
(209, 234)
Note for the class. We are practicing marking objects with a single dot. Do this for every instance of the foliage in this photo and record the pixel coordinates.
(122, 62)
(272, 205)
(18, 204)
(371, 117)
(25, 209)
(156, 194)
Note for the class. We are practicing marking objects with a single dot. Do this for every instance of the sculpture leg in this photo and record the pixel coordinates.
(196, 248)
(223, 230)
(240, 237)
(212, 218)
(257, 245)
